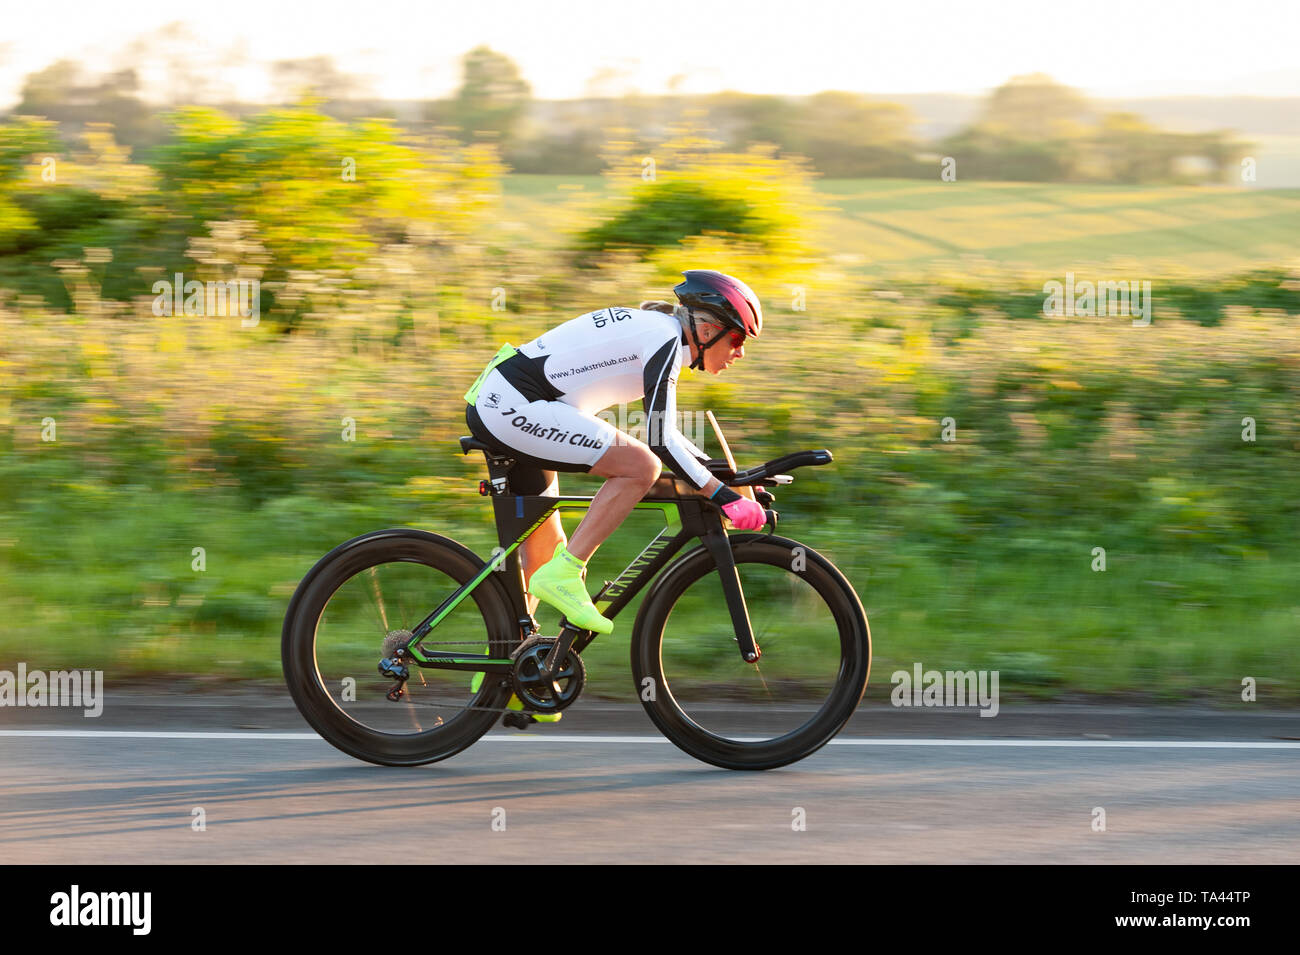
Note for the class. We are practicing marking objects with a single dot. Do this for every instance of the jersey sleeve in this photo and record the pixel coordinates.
(659, 372)
(695, 452)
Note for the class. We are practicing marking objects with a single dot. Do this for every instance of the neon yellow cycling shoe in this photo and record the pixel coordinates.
(517, 705)
(559, 583)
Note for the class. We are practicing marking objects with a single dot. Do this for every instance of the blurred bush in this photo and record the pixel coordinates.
(690, 195)
(327, 201)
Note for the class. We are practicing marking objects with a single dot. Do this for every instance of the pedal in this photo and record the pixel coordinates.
(518, 720)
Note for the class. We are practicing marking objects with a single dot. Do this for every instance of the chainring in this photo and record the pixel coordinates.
(541, 693)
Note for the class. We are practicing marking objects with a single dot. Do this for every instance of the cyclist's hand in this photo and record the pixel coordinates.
(744, 514)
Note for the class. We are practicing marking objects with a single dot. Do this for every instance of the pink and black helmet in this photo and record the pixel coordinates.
(730, 299)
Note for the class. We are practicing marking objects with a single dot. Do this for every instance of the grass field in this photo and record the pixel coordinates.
(879, 225)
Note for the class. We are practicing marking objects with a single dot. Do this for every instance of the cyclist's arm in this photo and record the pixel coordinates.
(714, 483)
(659, 373)
(704, 459)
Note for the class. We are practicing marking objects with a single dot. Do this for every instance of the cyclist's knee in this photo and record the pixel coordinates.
(641, 464)
(631, 460)
(652, 467)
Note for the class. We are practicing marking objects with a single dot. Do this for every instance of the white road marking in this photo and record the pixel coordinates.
(571, 738)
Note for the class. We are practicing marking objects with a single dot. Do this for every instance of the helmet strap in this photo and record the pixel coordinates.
(698, 363)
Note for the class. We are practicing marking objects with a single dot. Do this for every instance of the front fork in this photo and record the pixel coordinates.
(720, 549)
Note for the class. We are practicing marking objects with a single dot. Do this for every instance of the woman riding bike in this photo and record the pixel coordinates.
(538, 404)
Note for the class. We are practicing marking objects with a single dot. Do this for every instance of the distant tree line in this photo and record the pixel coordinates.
(1029, 129)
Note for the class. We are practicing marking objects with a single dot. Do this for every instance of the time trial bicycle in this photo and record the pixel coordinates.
(749, 650)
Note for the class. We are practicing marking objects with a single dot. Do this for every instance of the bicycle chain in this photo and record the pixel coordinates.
(449, 706)
(485, 709)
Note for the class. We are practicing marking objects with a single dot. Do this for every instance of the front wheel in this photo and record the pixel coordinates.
(816, 655)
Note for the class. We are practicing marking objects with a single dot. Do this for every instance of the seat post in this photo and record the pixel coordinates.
(498, 465)
(499, 468)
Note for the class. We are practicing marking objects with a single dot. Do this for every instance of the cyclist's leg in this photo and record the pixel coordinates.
(629, 471)
(534, 551)
(539, 547)
(630, 468)
(561, 436)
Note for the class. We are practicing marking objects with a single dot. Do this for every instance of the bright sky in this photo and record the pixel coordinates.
(408, 49)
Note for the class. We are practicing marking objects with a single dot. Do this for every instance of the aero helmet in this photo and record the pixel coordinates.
(734, 303)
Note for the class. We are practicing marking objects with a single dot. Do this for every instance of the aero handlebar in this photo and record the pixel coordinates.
(766, 473)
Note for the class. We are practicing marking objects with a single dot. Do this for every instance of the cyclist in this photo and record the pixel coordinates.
(537, 404)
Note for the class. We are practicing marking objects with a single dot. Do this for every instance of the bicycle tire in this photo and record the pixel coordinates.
(845, 615)
(299, 650)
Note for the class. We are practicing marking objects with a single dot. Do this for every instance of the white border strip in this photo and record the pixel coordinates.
(575, 738)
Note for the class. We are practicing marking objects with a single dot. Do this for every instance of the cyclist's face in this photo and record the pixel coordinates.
(720, 356)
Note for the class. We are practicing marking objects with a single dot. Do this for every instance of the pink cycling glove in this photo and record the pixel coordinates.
(744, 514)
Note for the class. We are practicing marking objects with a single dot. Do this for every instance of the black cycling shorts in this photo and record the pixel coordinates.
(530, 475)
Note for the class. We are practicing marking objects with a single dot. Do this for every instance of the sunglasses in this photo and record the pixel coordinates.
(734, 337)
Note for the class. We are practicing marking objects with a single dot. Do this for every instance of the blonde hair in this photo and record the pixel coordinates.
(666, 307)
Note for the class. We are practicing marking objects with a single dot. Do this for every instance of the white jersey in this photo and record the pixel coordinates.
(606, 357)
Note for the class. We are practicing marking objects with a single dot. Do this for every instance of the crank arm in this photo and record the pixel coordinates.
(560, 649)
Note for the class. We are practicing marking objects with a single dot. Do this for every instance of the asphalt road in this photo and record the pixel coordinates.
(1177, 785)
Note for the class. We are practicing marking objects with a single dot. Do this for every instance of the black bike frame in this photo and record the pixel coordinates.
(687, 517)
